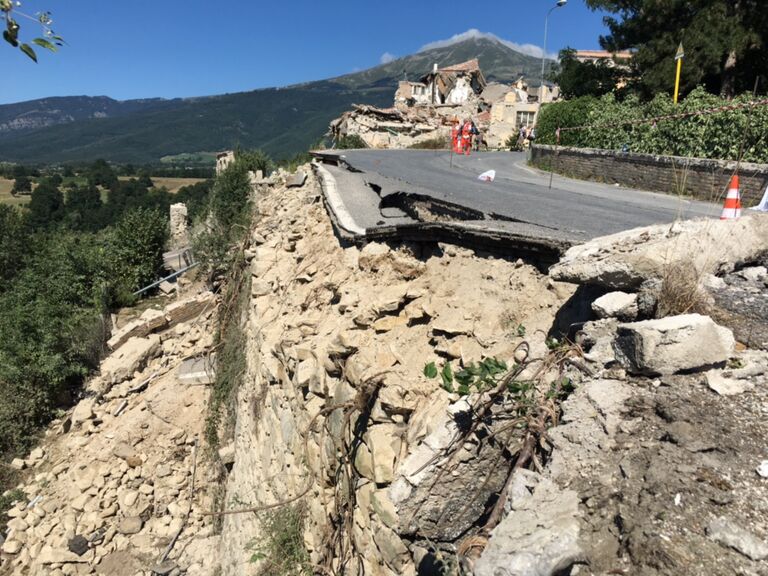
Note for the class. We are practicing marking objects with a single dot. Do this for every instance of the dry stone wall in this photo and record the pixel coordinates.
(700, 178)
(335, 413)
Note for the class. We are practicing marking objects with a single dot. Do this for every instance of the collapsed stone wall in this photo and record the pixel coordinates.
(698, 177)
(335, 412)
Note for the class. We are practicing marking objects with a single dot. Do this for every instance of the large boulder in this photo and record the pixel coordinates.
(616, 305)
(673, 344)
(625, 260)
(132, 356)
(539, 537)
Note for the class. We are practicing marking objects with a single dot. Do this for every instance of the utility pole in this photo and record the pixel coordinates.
(559, 4)
(679, 58)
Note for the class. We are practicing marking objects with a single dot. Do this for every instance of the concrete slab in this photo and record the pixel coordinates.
(199, 370)
(297, 180)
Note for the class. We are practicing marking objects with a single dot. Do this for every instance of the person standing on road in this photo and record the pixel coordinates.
(466, 136)
(521, 138)
(455, 136)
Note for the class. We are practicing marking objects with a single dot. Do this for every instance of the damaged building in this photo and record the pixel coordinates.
(425, 110)
(452, 85)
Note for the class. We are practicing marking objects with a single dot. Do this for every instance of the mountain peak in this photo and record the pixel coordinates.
(473, 34)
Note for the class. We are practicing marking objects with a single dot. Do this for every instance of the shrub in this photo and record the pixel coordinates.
(714, 135)
(134, 254)
(51, 322)
(350, 142)
(282, 547)
(432, 144)
(255, 160)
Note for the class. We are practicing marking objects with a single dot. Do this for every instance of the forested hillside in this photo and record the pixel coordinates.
(281, 121)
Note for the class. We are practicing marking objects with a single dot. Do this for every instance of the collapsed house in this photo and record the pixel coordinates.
(424, 111)
(452, 85)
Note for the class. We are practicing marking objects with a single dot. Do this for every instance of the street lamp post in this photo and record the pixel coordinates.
(544, 53)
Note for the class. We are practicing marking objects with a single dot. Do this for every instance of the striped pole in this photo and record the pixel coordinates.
(732, 205)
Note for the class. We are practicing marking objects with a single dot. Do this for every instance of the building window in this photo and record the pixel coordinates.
(525, 118)
(419, 90)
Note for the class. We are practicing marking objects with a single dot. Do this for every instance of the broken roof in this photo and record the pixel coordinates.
(468, 66)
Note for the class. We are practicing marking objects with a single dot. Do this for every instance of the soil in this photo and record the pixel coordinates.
(683, 455)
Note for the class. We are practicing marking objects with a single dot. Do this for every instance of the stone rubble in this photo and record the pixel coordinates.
(652, 461)
(672, 344)
(327, 325)
(108, 496)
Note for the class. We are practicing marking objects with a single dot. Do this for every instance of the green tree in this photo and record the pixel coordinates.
(196, 197)
(84, 208)
(578, 79)
(22, 185)
(100, 173)
(46, 206)
(725, 41)
(134, 254)
(13, 242)
(51, 322)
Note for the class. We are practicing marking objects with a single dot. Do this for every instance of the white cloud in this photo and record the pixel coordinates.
(386, 58)
(530, 49)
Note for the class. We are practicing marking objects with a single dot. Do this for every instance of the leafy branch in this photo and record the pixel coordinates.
(49, 41)
(481, 376)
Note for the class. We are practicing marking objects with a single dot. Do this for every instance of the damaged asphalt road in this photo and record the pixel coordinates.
(519, 202)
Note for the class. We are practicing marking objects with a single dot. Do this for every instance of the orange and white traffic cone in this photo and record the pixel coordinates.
(732, 206)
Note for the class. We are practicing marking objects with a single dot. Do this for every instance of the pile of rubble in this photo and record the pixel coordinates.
(337, 409)
(648, 429)
(390, 127)
(425, 110)
(117, 487)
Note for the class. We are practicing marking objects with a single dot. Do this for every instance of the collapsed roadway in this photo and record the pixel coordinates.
(425, 195)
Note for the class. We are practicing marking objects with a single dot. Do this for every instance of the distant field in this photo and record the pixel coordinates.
(5, 193)
(172, 184)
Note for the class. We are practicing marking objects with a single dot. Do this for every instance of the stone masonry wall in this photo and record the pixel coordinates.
(700, 178)
(336, 414)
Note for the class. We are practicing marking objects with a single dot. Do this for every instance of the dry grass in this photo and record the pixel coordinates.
(681, 291)
(5, 193)
(172, 184)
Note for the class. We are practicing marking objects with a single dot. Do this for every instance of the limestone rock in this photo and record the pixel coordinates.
(132, 356)
(18, 464)
(130, 525)
(452, 324)
(538, 538)
(733, 536)
(384, 443)
(672, 344)
(624, 260)
(188, 308)
(725, 386)
(393, 551)
(51, 555)
(83, 411)
(11, 547)
(150, 321)
(616, 305)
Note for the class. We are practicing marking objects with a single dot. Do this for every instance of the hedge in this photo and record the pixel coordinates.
(719, 135)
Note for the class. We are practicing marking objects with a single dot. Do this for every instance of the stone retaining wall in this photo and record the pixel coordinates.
(700, 178)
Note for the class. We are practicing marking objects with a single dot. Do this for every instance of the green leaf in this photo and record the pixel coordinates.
(447, 374)
(42, 42)
(27, 49)
(463, 389)
(463, 377)
(10, 38)
(520, 330)
(430, 370)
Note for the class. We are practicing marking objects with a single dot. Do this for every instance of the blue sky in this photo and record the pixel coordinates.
(168, 48)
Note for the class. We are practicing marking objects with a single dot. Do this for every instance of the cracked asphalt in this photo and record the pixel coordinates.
(574, 209)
